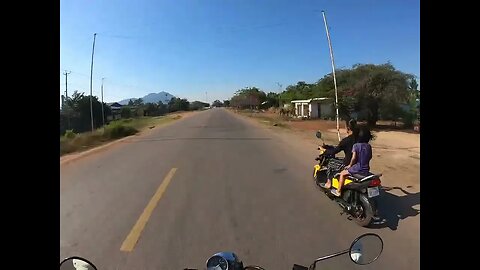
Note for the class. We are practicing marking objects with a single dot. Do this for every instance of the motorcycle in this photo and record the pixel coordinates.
(365, 249)
(358, 191)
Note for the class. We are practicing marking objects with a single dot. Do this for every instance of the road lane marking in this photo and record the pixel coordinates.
(132, 238)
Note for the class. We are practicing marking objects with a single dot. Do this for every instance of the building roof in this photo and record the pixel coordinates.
(114, 104)
(310, 100)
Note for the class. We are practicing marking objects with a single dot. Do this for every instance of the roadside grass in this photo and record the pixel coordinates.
(71, 142)
(269, 120)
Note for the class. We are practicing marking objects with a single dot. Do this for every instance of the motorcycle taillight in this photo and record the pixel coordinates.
(375, 183)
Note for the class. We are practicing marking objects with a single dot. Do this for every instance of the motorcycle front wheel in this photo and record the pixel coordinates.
(320, 177)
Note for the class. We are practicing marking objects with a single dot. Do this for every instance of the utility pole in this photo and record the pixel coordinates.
(66, 84)
(91, 77)
(280, 103)
(65, 105)
(103, 114)
(333, 71)
(206, 96)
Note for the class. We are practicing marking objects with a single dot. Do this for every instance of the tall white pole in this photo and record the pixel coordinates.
(103, 114)
(333, 69)
(91, 77)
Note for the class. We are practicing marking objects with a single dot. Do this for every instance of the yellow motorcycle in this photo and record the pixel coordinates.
(358, 191)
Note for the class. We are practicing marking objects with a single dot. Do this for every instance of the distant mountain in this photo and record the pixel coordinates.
(125, 101)
(151, 98)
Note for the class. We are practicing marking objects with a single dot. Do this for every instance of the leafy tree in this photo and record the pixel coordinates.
(126, 112)
(248, 97)
(217, 103)
(76, 113)
(178, 104)
(273, 99)
(138, 102)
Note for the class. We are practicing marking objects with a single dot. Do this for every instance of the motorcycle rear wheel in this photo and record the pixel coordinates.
(364, 214)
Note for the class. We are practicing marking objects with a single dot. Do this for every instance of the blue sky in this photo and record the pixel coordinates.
(188, 47)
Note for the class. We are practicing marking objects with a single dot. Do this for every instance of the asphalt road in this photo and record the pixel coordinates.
(210, 182)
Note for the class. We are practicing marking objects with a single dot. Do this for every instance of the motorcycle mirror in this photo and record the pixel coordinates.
(76, 263)
(318, 134)
(366, 249)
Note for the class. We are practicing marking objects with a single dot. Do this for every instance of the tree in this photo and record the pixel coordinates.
(78, 113)
(248, 97)
(367, 87)
(301, 90)
(273, 99)
(74, 99)
(162, 108)
(217, 103)
(126, 112)
(130, 102)
(138, 102)
(178, 104)
(226, 103)
(152, 109)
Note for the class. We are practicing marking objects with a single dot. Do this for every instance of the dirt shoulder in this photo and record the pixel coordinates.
(396, 153)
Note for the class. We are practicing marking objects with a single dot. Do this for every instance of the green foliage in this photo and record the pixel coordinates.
(75, 113)
(364, 89)
(69, 134)
(217, 103)
(248, 97)
(117, 130)
(126, 112)
(178, 104)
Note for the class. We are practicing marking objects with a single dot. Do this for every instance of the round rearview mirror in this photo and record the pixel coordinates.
(366, 249)
(318, 134)
(76, 263)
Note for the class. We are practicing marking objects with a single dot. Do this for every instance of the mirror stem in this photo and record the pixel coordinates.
(332, 255)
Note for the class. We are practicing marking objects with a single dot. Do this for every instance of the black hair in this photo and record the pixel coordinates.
(352, 124)
(354, 128)
(364, 135)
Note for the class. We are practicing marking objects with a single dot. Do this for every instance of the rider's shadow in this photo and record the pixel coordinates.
(393, 207)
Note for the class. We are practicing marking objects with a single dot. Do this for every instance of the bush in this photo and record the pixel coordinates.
(80, 142)
(125, 121)
(409, 119)
(118, 130)
(126, 112)
(69, 134)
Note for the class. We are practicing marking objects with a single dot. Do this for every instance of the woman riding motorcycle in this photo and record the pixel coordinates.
(344, 145)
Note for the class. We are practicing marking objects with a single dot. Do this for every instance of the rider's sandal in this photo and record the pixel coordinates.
(324, 185)
(335, 192)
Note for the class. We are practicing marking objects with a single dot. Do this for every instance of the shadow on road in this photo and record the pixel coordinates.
(394, 208)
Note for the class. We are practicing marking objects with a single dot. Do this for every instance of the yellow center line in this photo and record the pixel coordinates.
(132, 238)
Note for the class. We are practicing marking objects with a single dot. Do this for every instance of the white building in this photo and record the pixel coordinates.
(314, 108)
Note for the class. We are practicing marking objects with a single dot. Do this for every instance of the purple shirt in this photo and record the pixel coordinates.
(364, 155)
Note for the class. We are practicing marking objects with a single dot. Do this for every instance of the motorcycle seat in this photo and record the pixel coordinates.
(361, 177)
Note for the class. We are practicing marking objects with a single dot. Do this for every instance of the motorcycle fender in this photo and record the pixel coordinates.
(335, 182)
